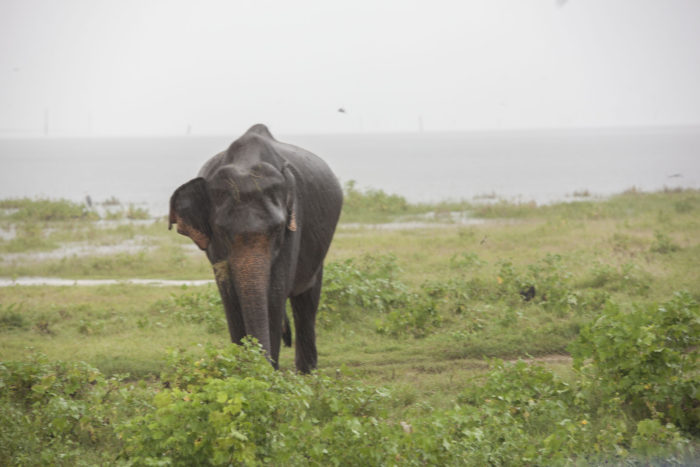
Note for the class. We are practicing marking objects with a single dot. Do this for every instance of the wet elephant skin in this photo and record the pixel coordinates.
(264, 212)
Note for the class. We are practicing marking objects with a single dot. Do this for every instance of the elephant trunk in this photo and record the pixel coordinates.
(250, 265)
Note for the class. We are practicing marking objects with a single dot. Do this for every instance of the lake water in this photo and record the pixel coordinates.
(543, 166)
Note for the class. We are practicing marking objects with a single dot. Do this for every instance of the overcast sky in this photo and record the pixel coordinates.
(120, 67)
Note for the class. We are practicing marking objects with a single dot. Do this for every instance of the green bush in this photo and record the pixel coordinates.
(231, 407)
(57, 413)
(417, 315)
(368, 283)
(466, 261)
(550, 279)
(11, 317)
(647, 357)
(527, 415)
(629, 277)
(201, 305)
(663, 244)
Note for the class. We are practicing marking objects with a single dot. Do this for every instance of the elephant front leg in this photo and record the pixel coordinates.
(305, 307)
(276, 312)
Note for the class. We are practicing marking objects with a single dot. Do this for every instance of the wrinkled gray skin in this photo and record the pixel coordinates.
(265, 213)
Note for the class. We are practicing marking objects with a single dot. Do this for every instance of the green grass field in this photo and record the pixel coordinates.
(420, 333)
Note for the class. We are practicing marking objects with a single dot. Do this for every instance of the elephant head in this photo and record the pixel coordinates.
(244, 218)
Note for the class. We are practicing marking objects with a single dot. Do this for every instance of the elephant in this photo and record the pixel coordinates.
(264, 212)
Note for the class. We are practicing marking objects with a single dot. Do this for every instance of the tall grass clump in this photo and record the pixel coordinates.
(45, 210)
(370, 205)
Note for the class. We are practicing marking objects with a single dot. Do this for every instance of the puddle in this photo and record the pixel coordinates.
(430, 220)
(389, 226)
(52, 281)
(456, 221)
(453, 217)
(8, 233)
(111, 223)
(134, 245)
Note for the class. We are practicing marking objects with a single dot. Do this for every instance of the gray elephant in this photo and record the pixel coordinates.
(265, 213)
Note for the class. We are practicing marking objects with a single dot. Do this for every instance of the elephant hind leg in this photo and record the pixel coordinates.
(286, 330)
(305, 306)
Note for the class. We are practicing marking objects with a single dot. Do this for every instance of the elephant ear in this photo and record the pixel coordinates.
(190, 208)
(291, 198)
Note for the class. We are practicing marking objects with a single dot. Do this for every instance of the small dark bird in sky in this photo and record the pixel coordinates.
(342, 110)
(675, 176)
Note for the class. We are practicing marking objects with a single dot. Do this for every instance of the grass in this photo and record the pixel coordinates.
(457, 287)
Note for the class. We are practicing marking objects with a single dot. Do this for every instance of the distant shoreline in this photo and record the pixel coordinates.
(622, 129)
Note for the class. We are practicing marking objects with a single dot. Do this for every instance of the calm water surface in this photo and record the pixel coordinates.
(543, 166)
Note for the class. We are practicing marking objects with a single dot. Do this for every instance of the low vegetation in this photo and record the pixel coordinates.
(551, 335)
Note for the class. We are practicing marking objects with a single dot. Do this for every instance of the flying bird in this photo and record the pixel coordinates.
(342, 110)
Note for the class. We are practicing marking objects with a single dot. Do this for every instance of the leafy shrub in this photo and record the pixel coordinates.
(57, 413)
(236, 409)
(11, 317)
(648, 357)
(628, 277)
(655, 440)
(532, 411)
(466, 261)
(456, 294)
(548, 278)
(663, 244)
(368, 283)
(230, 407)
(416, 316)
(201, 305)
(553, 280)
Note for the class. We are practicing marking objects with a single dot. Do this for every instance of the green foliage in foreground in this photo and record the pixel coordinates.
(648, 358)
(62, 413)
(231, 407)
(408, 317)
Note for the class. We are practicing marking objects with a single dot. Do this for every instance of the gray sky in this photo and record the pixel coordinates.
(121, 67)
